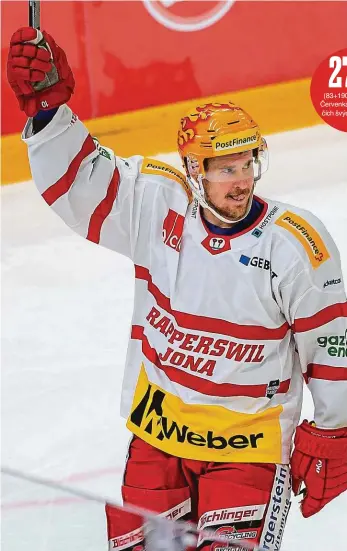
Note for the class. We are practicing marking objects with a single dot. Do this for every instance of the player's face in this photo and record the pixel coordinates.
(228, 184)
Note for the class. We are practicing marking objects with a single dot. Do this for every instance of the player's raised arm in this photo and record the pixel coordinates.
(85, 184)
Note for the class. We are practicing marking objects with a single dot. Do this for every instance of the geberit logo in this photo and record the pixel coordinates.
(165, 421)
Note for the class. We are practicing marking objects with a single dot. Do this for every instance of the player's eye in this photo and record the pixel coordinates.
(228, 170)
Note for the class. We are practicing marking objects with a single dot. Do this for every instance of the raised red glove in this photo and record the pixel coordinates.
(320, 461)
(38, 71)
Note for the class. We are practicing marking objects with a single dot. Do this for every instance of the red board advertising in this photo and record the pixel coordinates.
(129, 55)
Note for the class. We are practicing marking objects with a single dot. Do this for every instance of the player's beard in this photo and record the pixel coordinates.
(234, 213)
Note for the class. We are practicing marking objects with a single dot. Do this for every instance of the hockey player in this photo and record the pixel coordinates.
(238, 299)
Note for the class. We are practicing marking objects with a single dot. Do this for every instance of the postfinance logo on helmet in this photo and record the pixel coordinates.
(230, 141)
(213, 130)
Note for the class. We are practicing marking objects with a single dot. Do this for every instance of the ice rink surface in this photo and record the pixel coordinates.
(66, 311)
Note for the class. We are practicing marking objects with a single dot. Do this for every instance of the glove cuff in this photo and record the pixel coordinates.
(321, 443)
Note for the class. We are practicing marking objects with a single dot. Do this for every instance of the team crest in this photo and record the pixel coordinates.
(216, 244)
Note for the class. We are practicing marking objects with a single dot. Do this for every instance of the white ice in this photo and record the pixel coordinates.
(66, 310)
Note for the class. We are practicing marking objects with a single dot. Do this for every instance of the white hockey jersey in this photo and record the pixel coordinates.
(225, 328)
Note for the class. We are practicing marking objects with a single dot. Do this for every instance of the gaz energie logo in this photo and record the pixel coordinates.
(187, 16)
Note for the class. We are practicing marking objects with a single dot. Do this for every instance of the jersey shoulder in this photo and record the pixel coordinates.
(306, 234)
(166, 174)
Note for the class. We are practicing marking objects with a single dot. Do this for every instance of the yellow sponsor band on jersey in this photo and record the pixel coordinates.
(307, 235)
(203, 432)
(152, 166)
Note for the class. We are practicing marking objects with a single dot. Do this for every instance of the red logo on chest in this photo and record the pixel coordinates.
(173, 229)
(216, 244)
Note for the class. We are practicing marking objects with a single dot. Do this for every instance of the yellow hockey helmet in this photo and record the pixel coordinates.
(216, 129)
(213, 130)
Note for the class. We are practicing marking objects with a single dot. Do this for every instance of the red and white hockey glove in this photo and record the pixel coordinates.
(320, 461)
(38, 71)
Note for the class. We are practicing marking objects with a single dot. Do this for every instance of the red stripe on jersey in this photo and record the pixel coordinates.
(207, 324)
(64, 183)
(197, 383)
(322, 317)
(103, 209)
(326, 372)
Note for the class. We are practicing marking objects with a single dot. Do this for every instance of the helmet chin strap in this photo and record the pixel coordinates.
(202, 201)
(200, 196)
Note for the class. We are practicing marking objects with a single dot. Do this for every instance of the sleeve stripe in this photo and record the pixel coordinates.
(103, 209)
(64, 183)
(326, 372)
(320, 318)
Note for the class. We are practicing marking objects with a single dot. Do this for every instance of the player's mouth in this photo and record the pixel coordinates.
(238, 198)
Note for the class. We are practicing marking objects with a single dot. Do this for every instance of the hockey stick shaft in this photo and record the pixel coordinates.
(34, 14)
(148, 516)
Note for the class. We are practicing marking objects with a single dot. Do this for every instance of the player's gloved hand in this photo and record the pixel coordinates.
(38, 71)
(319, 461)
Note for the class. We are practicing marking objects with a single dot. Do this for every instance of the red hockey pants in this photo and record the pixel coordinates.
(247, 501)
